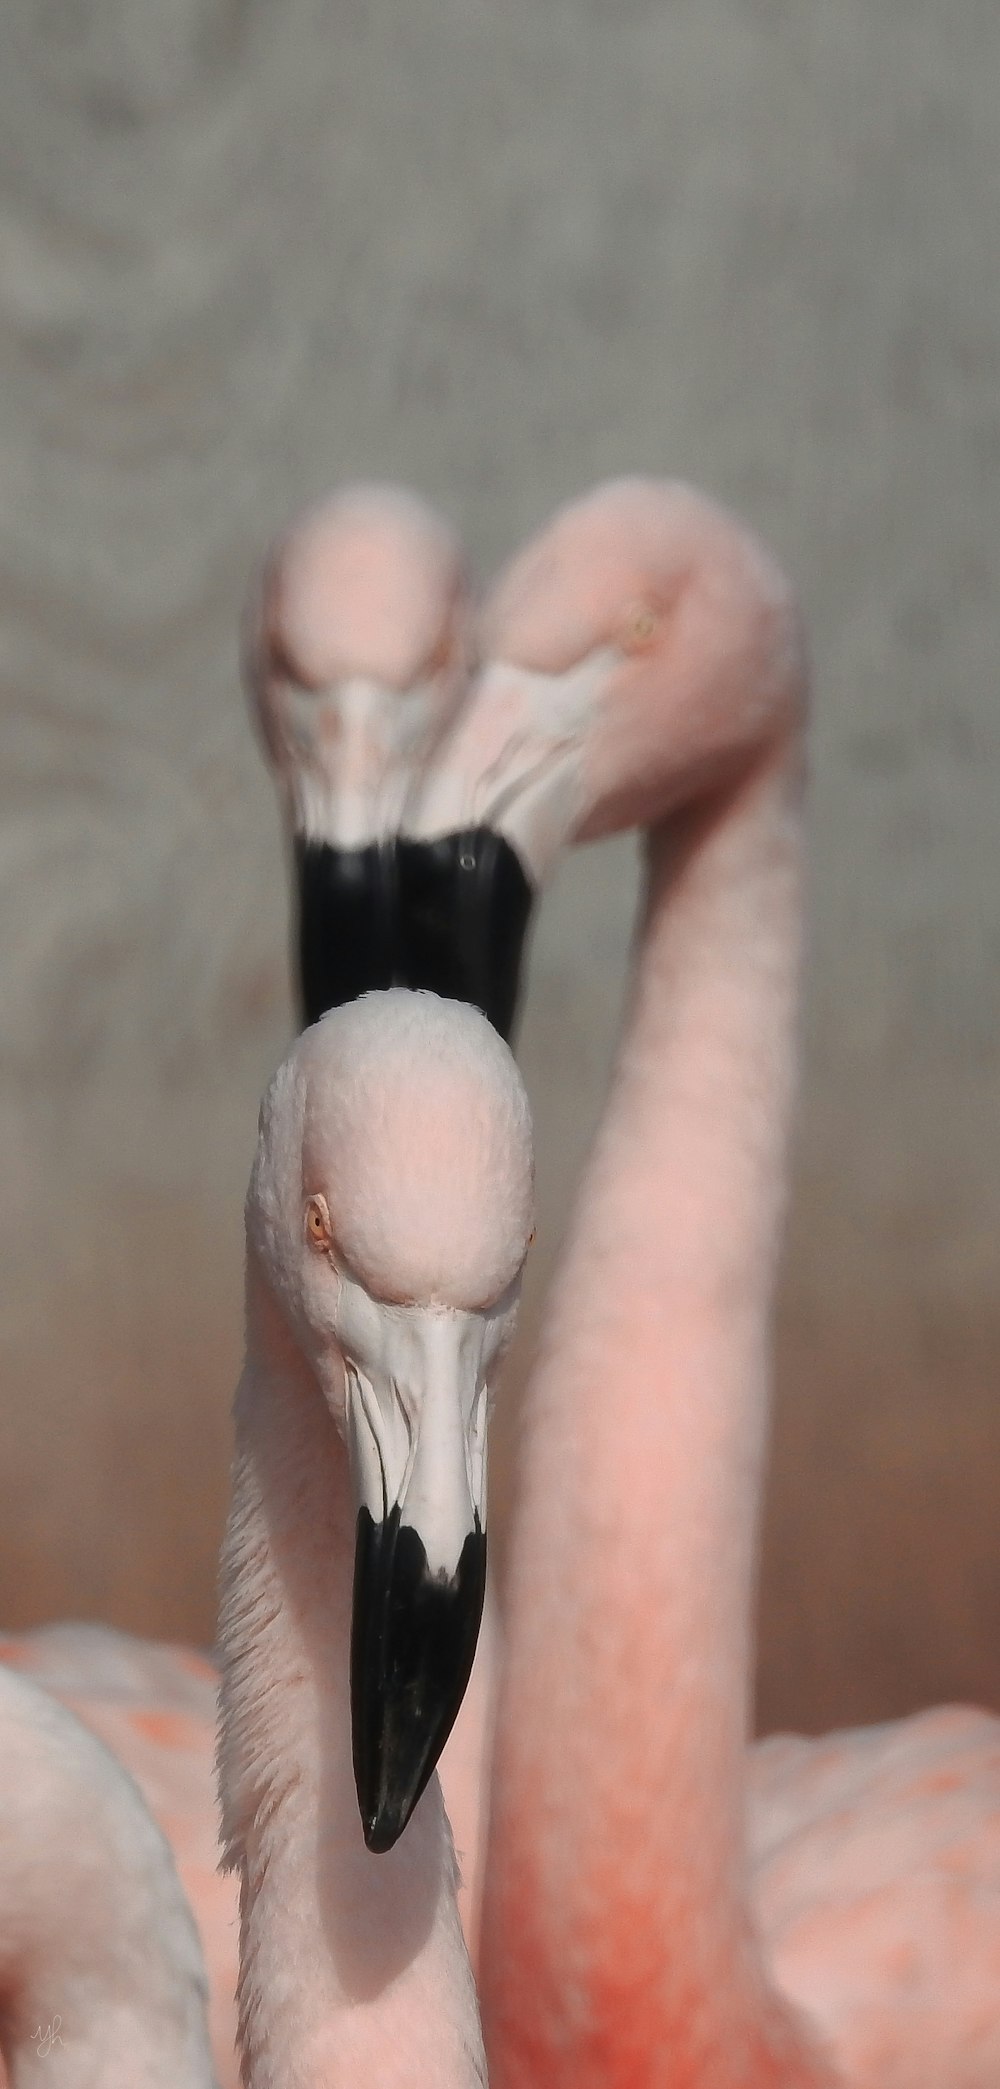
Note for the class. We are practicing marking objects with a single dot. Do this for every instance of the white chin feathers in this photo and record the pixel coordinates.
(513, 760)
(352, 757)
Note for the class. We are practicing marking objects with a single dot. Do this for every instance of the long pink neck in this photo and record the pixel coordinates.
(618, 1947)
(352, 1966)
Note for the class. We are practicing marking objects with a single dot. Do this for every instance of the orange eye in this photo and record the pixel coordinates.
(640, 625)
(319, 1232)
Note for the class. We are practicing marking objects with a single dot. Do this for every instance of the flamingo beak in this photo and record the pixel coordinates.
(346, 922)
(465, 905)
(419, 1566)
(450, 915)
(343, 856)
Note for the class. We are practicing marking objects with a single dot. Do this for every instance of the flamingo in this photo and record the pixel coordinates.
(661, 1906)
(356, 655)
(357, 646)
(356, 642)
(388, 1218)
(102, 1983)
(391, 1923)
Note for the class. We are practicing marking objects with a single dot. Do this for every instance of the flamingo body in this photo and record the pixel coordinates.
(875, 1868)
(102, 1982)
(155, 1709)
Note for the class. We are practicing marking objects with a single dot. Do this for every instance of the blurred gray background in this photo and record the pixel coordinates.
(499, 251)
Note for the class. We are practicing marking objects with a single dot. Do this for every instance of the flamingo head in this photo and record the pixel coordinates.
(356, 652)
(356, 641)
(390, 1213)
(638, 647)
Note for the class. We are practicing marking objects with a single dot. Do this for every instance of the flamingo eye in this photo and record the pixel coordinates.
(319, 1232)
(640, 625)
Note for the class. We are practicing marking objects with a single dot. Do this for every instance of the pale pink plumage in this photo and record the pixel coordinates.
(355, 647)
(635, 1932)
(357, 644)
(352, 1966)
(102, 1983)
(651, 1909)
(155, 1708)
(875, 1865)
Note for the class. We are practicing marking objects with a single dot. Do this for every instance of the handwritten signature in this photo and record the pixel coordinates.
(45, 2038)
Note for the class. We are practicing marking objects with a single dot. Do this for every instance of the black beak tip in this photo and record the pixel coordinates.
(412, 1647)
(384, 1828)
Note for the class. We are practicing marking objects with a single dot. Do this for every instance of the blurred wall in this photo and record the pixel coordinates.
(498, 252)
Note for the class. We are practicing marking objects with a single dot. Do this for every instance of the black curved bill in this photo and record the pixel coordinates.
(449, 915)
(465, 903)
(347, 938)
(413, 1641)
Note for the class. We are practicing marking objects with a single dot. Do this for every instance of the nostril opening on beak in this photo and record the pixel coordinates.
(408, 1407)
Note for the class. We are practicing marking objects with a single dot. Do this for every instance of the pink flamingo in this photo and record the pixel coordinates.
(660, 1907)
(637, 1929)
(356, 655)
(356, 645)
(356, 638)
(388, 1217)
(380, 1277)
(357, 649)
(102, 1983)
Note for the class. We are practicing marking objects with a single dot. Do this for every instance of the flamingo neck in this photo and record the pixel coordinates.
(626, 1696)
(350, 1964)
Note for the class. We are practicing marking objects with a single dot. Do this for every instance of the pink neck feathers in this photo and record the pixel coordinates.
(625, 1956)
